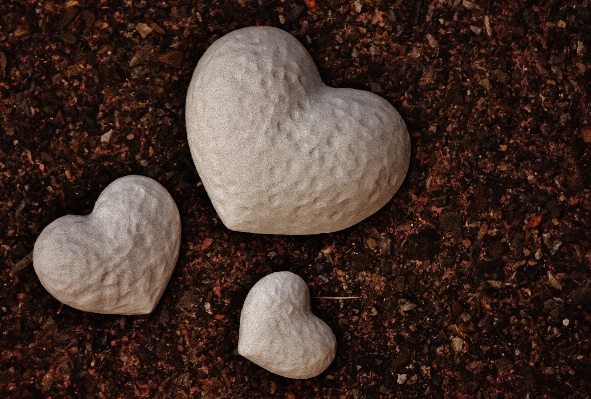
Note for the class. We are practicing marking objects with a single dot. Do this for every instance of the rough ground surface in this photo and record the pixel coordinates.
(473, 282)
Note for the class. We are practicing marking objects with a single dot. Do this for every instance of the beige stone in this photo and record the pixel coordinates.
(279, 332)
(119, 258)
(280, 152)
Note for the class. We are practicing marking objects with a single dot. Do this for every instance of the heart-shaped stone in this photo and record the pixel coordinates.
(279, 332)
(119, 258)
(278, 151)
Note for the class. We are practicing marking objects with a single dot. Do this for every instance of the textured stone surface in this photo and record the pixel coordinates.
(119, 258)
(278, 151)
(279, 332)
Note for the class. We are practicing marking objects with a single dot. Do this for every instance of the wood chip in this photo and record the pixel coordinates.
(29, 156)
(502, 76)
(156, 28)
(533, 222)
(586, 133)
(24, 262)
(140, 55)
(482, 231)
(89, 18)
(3, 62)
(406, 306)
(68, 37)
(468, 4)
(432, 41)
(475, 366)
(485, 83)
(553, 282)
(401, 358)
(67, 17)
(384, 246)
(173, 58)
(495, 283)
(487, 26)
(371, 243)
(517, 265)
(143, 29)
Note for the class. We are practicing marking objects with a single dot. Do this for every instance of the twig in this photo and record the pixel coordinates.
(24, 262)
(336, 297)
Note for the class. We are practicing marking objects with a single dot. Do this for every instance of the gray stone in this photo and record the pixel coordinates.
(119, 258)
(278, 151)
(279, 332)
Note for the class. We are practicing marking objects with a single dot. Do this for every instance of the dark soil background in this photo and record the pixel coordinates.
(474, 281)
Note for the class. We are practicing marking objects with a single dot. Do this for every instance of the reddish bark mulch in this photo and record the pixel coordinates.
(475, 280)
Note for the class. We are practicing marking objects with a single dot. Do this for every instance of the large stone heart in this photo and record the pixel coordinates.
(119, 258)
(278, 151)
(279, 332)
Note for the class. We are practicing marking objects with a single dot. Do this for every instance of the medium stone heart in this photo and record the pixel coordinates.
(278, 151)
(119, 258)
(279, 332)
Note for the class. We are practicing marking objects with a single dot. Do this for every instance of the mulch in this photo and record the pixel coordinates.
(473, 282)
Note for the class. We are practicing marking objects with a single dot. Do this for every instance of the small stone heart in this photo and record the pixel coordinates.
(279, 332)
(278, 151)
(119, 258)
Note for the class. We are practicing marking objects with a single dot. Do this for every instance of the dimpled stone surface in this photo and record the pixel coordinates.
(119, 258)
(279, 332)
(278, 151)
